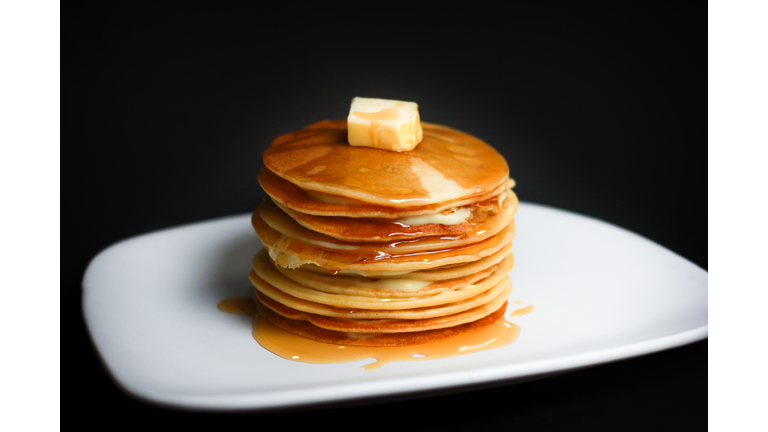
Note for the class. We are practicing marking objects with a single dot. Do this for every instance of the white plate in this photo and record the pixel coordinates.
(600, 293)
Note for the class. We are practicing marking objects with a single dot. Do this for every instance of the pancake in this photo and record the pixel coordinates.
(404, 326)
(456, 291)
(265, 288)
(310, 331)
(288, 227)
(447, 165)
(436, 274)
(404, 287)
(378, 229)
(359, 325)
(292, 253)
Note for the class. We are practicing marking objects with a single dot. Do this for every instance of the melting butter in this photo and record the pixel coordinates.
(457, 216)
(328, 245)
(384, 124)
(331, 199)
(501, 199)
(402, 285)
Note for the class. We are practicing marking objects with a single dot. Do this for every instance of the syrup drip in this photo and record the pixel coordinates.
(238, 305)
(377, 118)
(297, 348)
(277, 219)
(332, 258)
(521, 311)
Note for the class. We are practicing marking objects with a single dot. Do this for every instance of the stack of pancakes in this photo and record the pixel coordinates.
(371, 247)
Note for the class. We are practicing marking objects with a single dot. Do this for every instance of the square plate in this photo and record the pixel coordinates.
(600, 293)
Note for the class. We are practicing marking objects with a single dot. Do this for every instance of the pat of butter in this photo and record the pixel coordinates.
(384, 124)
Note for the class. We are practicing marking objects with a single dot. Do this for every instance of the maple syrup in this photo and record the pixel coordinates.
(297, 348)
(377, 118)
(521, 311)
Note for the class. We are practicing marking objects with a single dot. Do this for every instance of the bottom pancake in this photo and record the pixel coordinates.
(311, 331)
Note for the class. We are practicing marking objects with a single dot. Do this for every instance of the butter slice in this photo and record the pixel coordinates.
(384, 124)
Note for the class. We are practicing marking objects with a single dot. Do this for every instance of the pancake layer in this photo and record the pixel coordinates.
(281, 222)
(405, 287)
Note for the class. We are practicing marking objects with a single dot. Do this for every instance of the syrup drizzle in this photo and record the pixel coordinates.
(377, 118)
(297, 348)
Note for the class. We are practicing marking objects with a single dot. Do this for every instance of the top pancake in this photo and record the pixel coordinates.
(448, 165)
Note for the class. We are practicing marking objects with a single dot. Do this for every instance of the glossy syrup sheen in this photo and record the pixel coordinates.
(296, 348)
(341, 259)
(447, 165)
(377, 118)
(238, 305)
(280, 221)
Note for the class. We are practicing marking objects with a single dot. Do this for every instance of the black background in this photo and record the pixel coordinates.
(599, 111)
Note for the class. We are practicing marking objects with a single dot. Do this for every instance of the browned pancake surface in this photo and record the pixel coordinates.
(447, 165)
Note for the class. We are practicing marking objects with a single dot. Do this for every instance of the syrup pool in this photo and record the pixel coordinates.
(296, 348)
